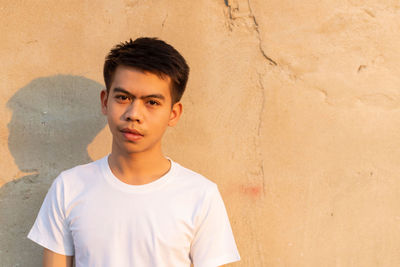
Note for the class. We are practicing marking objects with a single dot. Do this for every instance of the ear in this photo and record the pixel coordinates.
(176, 112)
(103, 100)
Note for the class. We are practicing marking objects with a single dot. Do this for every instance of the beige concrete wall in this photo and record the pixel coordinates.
(292, 108)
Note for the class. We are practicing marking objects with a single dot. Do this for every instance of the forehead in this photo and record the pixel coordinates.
(138, 81)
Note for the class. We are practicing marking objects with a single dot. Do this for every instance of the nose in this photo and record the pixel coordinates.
(134, 112)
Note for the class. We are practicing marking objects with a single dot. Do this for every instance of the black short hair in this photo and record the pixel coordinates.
(149, 55)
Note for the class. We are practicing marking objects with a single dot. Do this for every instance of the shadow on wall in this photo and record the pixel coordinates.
(53, 121)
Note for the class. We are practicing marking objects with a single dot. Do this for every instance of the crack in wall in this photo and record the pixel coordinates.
(269, 59)
(165, 19)
(241, 10)
(240, 16)
(259, 126)
(262, 103)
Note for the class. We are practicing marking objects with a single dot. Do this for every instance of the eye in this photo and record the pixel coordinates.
(122, 98)
(153, 103)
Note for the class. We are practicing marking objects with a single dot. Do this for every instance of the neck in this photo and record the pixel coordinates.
(138, 168)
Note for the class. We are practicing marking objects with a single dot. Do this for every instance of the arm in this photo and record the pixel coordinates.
(213, 243)
(52, 259)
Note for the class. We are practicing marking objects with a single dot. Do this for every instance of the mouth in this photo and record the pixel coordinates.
(132, 134)
(132, 131)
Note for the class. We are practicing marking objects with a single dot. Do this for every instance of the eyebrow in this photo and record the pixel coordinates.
(121, 90)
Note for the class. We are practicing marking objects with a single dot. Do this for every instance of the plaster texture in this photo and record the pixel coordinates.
(292, 108)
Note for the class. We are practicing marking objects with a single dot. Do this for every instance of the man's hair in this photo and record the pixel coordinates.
(149, 55)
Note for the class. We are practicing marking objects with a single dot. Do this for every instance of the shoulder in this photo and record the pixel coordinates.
(193, 183)
(79, 177)
(88, 169)
(192, 178)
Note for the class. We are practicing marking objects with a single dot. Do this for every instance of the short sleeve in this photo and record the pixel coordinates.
(50, 229)
(213, 243)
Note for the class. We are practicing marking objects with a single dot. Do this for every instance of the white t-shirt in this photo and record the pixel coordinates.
(175, 220)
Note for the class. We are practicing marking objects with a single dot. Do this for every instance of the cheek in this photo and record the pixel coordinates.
(113, 116)
(166, 117)
(159, 120)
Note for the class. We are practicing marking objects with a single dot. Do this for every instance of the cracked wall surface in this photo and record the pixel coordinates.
(292, 108)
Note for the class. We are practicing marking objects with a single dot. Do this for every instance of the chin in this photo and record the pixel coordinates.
(128, 149)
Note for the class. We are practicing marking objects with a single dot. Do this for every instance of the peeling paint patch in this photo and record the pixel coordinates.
(240, 15)
(361, 67)
(380, 100)
(369, 12)
(31, 41)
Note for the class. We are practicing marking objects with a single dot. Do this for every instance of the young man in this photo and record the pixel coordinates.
(135, 207)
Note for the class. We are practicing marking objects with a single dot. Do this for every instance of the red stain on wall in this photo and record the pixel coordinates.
(251, 190)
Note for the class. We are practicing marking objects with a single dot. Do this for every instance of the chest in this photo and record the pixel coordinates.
(126, 226)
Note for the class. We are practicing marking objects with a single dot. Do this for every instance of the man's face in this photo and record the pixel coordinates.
(138, 109)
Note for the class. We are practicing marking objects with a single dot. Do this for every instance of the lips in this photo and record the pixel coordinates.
(132, 131)
(132, 134)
